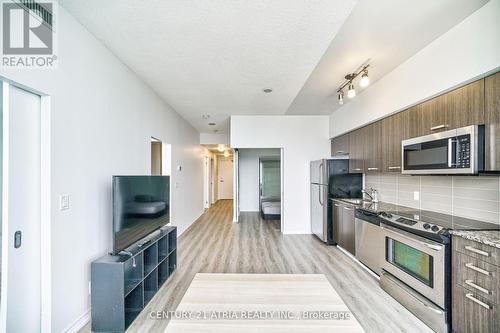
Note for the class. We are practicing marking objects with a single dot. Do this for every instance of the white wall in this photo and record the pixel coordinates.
(465, 52)
(249, 176)
(214, 139)
(103, 117)
(303, 139)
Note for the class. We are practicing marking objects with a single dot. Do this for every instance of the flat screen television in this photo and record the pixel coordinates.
(140, 206)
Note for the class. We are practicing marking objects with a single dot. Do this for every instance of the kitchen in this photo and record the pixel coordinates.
(413, 197)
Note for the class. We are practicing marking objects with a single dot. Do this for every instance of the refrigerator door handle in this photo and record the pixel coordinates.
(321, 166)
(319, 196)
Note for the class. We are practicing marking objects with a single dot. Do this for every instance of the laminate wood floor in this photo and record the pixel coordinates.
(214, 244)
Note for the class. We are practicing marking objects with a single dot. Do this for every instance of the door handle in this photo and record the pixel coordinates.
(450, 153)
(438, 127)
(319, 197)
(17, 239)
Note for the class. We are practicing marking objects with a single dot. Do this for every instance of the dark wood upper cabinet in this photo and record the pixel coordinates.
(458, 108)
(356, 150)
(492, 122)
(373, 147)
(394, 129)
(340, 145)
(465, 105)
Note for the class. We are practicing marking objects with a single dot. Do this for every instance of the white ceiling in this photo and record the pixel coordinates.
(216, 57)
(387, 32)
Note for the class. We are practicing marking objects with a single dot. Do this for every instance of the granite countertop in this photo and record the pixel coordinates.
(488, 237)
(376, 207)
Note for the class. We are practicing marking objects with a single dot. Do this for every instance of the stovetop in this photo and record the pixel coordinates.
(433, 223)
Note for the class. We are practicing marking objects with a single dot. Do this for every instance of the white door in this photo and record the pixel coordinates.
(21, 301)
(225, 179)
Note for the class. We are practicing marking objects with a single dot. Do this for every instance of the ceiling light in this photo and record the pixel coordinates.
(226, 153)
(351, 93)
(205, 116)
(267, 90)
(365, 80)
(221, 148)
(212, 124)
(341, 97)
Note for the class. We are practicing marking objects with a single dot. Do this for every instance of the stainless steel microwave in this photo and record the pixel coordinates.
(457, 151)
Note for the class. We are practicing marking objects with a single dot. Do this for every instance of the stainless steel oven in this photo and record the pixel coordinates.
(415, 271)
(457, 151)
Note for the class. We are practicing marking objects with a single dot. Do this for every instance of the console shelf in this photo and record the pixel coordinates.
(122, 285)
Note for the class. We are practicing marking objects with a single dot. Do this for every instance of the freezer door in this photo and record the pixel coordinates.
(319, 206)
(318, 172)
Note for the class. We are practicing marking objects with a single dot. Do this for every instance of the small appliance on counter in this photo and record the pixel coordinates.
(457, 151)
(330, 178)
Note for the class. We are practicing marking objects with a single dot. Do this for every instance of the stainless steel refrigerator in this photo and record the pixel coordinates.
(330, 178)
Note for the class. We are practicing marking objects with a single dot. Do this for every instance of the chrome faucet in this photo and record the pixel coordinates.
(367, 193)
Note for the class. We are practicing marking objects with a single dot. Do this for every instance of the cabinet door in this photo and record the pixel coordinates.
(356, 157)
(394, 129)
(471, 313)
(373, 147)
(348, 235)
(337, 222)
(429, 117)
(465, 105)
(492, 121)
(340, 145)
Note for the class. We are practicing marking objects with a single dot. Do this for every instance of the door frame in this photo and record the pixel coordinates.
(45, 206)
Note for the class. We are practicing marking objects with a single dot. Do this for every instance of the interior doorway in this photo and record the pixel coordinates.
(225, 178)
(260, 183)
(26, 267)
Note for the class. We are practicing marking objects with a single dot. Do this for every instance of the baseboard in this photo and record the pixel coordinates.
(79, 323)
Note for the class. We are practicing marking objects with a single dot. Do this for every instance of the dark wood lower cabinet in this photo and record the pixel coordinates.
(470, 316)
(475, 286)
(343, 226)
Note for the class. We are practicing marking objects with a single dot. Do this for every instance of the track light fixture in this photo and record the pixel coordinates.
(365, 80)
(351, 92)
(341, 97)
(349, 83)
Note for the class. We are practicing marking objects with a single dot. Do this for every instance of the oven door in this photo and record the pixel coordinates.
(416, 261)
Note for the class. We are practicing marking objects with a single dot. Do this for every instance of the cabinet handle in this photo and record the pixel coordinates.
(472, 298)
(336, 205)
(340, 152)
(394, 168)
(347, 208)
(372, 169)
(477, 269)
(475, 286)
(478, 251)
(356, 169)
(439, 127)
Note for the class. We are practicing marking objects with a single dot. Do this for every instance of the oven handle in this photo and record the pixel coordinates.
(450, 153)
(409, 236)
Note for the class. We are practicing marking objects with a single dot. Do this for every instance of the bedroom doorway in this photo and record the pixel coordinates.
(260, 184)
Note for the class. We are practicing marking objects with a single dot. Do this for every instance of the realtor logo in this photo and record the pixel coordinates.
(28, 34)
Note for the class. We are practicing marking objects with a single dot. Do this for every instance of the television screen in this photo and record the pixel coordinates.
(140, 206)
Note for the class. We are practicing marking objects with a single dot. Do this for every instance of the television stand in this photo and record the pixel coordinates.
(122, 284)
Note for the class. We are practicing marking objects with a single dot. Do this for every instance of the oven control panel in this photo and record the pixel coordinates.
(463, 151)
(410, 223)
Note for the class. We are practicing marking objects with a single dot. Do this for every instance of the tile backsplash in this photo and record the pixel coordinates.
(468, 196)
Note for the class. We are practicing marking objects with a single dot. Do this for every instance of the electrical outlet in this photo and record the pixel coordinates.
(63, 202)
(416, 195)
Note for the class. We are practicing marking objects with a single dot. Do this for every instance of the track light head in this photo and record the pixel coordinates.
(341, 97)
(351, 92)
(365, 80)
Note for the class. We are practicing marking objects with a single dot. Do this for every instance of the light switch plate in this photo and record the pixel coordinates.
(63, 202)
(416, 195)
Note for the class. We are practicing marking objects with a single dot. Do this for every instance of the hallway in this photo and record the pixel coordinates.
(214, 244)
